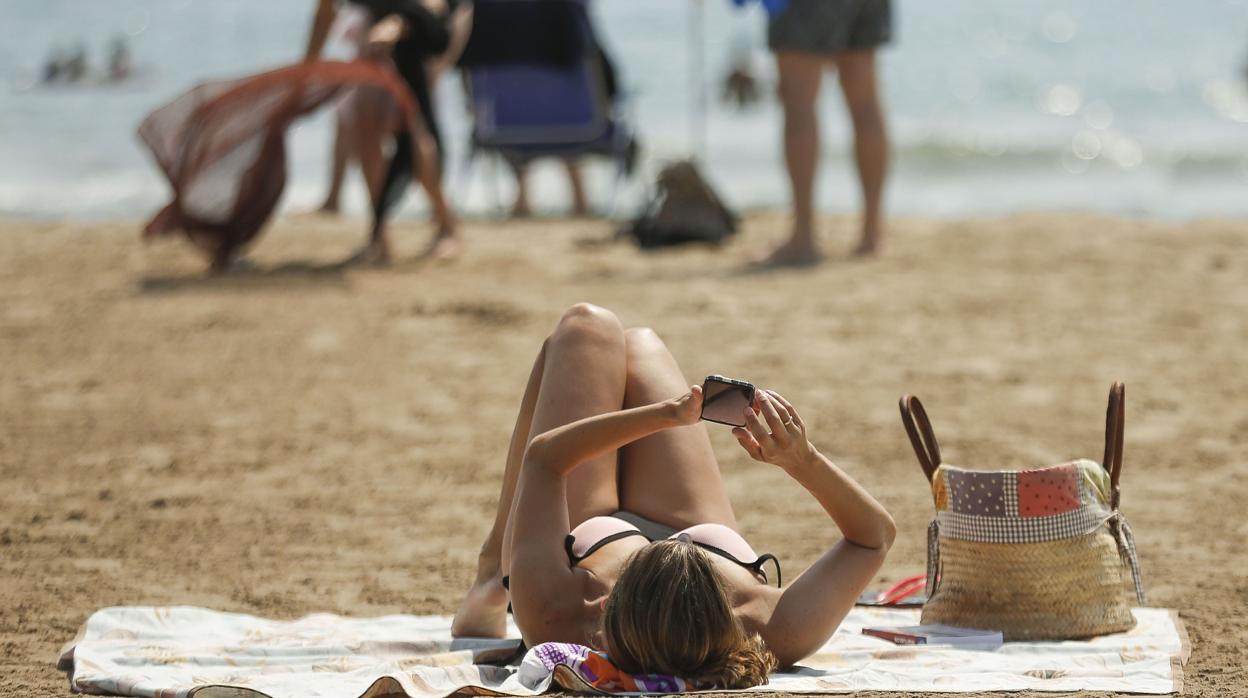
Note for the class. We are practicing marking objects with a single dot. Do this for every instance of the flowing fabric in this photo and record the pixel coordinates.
(222, 146)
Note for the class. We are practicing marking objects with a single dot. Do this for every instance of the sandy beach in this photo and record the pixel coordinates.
(298, 437)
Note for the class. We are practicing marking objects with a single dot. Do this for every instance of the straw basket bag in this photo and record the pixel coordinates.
(1038, 554)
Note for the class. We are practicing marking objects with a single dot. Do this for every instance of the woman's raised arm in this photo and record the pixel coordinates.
(813, 606)
(565, 447)
(321, 23)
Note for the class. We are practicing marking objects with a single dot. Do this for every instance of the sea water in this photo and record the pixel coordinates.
(1136, 107)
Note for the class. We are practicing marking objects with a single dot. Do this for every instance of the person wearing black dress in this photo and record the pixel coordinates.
(412, 33)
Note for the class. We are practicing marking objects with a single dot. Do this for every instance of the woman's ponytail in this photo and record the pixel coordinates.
(748, 665)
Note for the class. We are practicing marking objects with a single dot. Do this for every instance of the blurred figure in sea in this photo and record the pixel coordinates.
(75, 67)
(413, 33)
(808, 36)
(120, 64)
(53, 66)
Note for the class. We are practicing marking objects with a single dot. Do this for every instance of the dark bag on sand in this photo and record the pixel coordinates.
(1040, 554)
(222, 146)
(684, 209)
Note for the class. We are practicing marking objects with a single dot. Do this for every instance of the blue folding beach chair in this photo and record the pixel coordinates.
(526, 110)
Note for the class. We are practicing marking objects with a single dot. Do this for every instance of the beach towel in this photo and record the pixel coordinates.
(185, 652)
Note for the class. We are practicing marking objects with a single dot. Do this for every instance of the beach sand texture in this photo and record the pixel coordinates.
(300, 438)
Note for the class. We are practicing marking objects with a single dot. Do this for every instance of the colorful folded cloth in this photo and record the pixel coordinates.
(579, 668)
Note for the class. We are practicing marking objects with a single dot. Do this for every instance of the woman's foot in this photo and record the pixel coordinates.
(445, 246)
(869, 246)
(483, 612)
(791, 254)
(375, 253)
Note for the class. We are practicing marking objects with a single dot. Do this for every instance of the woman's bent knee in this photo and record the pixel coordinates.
(586, 319)
(641, 340)
(588, 313)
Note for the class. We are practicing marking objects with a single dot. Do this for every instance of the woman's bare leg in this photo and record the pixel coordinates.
(580, 204)
(423, 149)
(858, 84)
(376, 120)
(801, 75)
(483, 612)
(338, 168)
(446, 241)
(579, 372)
(520, 207)
(671, 477)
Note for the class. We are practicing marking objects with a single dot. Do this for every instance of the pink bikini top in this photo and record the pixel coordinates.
(719, 539)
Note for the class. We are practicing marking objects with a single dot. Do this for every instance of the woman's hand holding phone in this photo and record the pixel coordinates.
(687, 409)
(775, 433)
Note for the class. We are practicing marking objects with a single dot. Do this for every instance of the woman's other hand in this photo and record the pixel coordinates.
(384, 35)
(687, 409)
(774, 432)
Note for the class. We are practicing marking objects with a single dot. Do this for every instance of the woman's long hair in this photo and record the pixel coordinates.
(670, 613)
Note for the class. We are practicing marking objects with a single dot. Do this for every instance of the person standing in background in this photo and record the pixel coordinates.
(365, 119)
(414, 33)
(807, 36)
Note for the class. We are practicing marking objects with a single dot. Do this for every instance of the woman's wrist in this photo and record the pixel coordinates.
(669, 413)
(807, 460)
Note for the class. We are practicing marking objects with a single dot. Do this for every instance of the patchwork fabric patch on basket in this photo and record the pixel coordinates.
(1038, 554)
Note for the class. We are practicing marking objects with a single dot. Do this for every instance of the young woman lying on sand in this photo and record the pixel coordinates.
(614, 529)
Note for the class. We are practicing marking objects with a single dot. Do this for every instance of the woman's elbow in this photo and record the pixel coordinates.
(883, 536)
(888, 531)
(540, 455)
(536, 453)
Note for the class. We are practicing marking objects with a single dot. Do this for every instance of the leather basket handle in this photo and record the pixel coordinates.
(922, 438)
(1114, 421)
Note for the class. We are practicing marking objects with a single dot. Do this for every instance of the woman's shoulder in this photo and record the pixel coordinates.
(753, 604)
(559, 618)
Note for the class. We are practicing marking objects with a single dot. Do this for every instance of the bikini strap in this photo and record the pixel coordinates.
(922, 438)
(758, 567)
(570, 540)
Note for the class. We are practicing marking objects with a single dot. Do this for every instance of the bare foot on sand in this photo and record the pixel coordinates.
(790, 254)
(445, 247)
(869, 246)
(521, 210)
(375, 254)
(483, 612)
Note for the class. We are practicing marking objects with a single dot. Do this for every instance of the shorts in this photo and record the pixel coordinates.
(831, 26)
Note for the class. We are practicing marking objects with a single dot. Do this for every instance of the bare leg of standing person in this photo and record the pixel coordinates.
(580, 206)
(520, 207)
(800, 77)
(580, 371)
(377, 119)
(446, 242)
(858, 84)
(414, 147)
(343, 133)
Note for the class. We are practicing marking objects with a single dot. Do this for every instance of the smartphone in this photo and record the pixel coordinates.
(724, 400)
